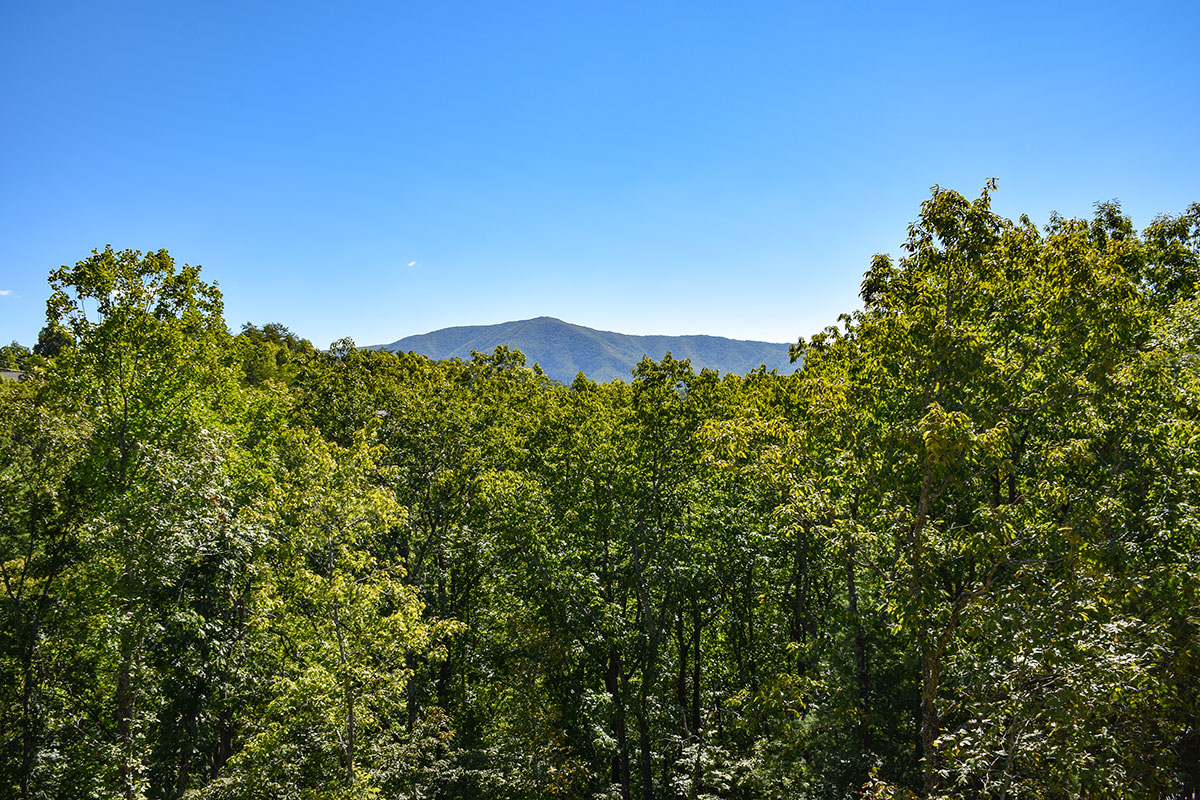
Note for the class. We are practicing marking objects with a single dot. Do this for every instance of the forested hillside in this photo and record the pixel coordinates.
(563, 350)
(956, 555)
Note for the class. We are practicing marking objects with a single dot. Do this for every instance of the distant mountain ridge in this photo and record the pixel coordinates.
(564, 350)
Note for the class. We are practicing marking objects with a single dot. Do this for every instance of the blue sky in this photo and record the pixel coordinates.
(376, 170)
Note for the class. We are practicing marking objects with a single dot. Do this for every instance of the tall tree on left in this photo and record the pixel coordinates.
(38, 448)
(146, 369)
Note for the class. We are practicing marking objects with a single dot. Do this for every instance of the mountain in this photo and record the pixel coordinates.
(564, 350)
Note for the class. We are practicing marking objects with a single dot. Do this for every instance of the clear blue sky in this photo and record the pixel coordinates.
(376, 170)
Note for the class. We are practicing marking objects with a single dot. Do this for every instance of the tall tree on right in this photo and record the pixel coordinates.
(976, 396)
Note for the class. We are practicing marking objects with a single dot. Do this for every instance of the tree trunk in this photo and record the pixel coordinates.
(29, 739)
(184, 766)
(860, 653)
(224, 749)
(681, 695)
(347, 693)
(125, 717)
(620, 761)
(930, 658)
(930, 720)
(696, 626)
(645, 762)
(799, 586)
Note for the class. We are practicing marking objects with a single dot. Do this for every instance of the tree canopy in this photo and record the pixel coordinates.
(955, 555)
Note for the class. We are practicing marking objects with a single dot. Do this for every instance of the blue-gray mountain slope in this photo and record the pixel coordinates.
(564, 350)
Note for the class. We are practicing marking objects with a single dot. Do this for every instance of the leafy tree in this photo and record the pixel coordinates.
(144, 366)
(52, 339)
(332, 628)
(39, 447)
(13, 356)
(974, 388)
(272, 352)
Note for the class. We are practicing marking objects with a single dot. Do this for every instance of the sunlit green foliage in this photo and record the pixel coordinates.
(956, 555)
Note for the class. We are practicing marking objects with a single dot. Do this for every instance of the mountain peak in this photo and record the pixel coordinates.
(564, 349)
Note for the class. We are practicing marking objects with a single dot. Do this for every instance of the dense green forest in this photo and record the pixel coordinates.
(956, 555)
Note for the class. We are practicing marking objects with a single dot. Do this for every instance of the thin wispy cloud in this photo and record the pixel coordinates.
(7, 292)
(412, 263)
